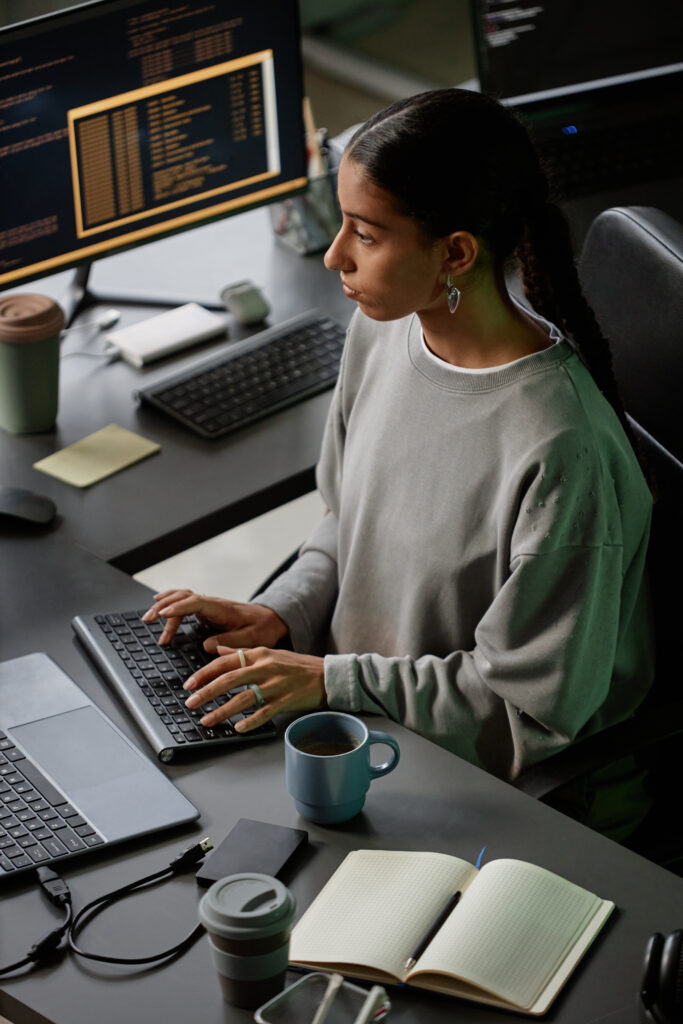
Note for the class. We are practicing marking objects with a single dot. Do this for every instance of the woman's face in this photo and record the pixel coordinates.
(384, 261)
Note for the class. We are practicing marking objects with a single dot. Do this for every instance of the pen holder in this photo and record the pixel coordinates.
(309, 222)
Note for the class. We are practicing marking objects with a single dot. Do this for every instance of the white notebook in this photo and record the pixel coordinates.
(513, 939)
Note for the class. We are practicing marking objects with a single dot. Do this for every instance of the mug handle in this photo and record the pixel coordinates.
(383, 769)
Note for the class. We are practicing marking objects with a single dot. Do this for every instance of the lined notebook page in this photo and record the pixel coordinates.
(376, 908)
(512, 929)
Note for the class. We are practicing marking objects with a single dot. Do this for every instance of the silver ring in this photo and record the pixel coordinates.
(256, 690)
(243, 660)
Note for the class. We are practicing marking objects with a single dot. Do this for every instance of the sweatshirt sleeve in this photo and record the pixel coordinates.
(304, 595)
(541, 667)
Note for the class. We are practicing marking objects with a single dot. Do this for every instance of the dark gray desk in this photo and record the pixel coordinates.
(433, 801)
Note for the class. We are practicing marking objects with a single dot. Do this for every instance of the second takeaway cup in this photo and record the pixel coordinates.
(248, 918)
(30, 327)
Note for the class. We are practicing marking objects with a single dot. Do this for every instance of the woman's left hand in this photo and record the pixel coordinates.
(287, 681)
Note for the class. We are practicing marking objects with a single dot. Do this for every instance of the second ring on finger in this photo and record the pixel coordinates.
(238, 703)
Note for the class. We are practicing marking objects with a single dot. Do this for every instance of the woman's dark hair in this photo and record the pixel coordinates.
(456, 160)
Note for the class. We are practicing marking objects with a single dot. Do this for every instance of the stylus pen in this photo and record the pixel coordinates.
(432, 930)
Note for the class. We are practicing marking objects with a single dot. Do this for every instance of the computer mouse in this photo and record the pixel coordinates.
(245, 301)
(25, 506)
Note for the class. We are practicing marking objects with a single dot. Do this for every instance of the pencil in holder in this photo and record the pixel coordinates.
(309, 222)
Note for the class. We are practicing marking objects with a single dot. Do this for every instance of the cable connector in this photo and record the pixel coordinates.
(40, 951)
(188, 858)
(54, 887)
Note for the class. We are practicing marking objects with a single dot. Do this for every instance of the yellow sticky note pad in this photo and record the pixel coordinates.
(97, 456)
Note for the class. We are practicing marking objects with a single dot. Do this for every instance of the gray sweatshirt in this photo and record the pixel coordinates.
(479, 573)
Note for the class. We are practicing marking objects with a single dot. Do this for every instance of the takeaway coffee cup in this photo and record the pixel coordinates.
(327, 764)
(248, 918)
(30, 326)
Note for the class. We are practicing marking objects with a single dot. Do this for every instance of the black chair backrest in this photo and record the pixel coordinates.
(631, 272)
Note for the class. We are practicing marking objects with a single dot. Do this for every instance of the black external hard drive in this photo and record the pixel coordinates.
(252, 846)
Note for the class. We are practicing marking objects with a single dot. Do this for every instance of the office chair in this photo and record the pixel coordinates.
(631, 271)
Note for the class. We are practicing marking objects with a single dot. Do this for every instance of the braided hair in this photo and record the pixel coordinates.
(493, 186)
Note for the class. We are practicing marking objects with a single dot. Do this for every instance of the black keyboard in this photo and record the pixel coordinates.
(149, 679)
(614, 156)
(37, 824)
(606, 138)
(254, 378)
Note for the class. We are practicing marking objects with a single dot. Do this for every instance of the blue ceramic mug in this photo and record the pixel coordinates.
(327, 764)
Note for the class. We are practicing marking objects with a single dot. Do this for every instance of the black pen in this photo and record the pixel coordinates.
(432, 930)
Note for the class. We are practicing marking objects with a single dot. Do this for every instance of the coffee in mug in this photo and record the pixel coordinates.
(327, 764)
(326, 747)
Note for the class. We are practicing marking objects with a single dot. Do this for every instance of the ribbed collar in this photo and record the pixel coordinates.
(449, 377)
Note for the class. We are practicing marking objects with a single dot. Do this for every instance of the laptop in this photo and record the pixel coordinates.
(70, 781)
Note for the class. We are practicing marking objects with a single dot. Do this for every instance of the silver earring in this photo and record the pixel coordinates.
(453, 295)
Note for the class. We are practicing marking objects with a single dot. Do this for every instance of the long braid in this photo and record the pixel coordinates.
(551, 284)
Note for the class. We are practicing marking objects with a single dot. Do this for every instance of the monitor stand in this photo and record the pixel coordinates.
(78, 297)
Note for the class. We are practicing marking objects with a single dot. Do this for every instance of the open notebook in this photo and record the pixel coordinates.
(513, 939)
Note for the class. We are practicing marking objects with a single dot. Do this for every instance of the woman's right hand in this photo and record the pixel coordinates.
(244, 625)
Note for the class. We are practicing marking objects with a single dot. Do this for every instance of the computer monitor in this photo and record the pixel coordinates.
(122, 121)
(600, 85)
(531, 48)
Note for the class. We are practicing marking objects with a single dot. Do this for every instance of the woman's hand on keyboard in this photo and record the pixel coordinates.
(242, 625)
(285, 680)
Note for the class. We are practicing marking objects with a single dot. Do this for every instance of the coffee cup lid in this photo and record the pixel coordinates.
(29, 318)
(246, 905)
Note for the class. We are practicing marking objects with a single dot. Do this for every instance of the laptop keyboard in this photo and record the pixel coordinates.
(37, 823)
(150, 680)
(268, 372)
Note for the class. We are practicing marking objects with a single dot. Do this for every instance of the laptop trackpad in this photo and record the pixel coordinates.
(116, 788)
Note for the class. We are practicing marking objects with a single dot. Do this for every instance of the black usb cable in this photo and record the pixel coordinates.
(57, 891)
(186, 860)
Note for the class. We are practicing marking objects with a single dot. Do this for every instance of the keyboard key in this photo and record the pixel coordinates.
(71, 841)
(37, 854)
(54, 847)
(66, 810)
(47, 815)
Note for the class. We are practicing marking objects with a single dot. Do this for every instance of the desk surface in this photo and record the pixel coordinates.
(432, 801)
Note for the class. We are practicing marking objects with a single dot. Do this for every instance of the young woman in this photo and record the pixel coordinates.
(479, 574)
